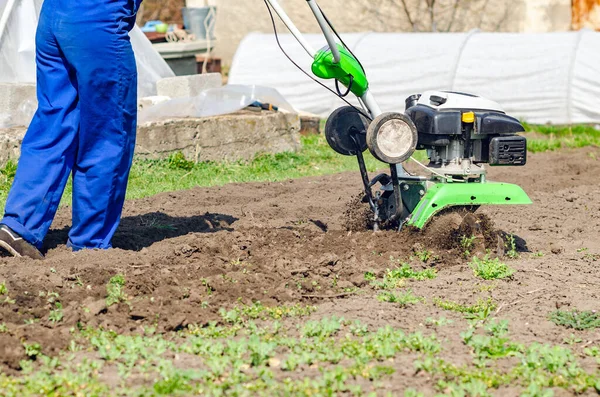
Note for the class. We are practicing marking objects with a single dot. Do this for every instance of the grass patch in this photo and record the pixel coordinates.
(579, 320)
(490, 269)
(551, 137)
(150, 177)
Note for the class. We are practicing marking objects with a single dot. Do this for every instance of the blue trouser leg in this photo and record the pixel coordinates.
(92, 132)
(107, 77)
(49, 147)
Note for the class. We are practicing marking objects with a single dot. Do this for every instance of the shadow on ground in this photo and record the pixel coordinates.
(138, 232)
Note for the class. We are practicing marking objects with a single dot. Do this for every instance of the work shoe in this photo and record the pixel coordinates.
(17, 245)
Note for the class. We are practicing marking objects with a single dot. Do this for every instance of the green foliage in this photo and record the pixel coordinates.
(115, 290)
(401, 298)
(466, 243)
(258, 311)
(579, 320)
(395, 278)
(3, 289)
(494, 344)
(3, 328)
(425, 255)
(324, 328)
(177, 161)
(7, 174)
(475, 313)
(512, 252)
(322, 358)
(56, 314)
(32, 350)
(490, 269)
(442, 321)
(556, 137)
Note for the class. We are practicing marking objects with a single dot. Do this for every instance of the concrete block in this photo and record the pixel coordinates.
(188, 86)
(238, 136)
(13, 96)
(232, 137)
(10, 143)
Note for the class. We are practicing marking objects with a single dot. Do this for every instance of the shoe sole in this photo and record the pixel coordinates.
(10, 249)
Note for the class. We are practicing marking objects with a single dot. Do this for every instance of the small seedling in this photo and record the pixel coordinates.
(490, 269)
(425, 255)
(56, 314)
(575, 319)
(478, 312)
(466, 243)
(3, 289)
(403, 299)
(512, 247)
(442, 321)
(115, 291)
(32, 350)
(572, 340)
(3, 328)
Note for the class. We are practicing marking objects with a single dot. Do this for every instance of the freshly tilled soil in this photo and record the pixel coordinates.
(187, 254)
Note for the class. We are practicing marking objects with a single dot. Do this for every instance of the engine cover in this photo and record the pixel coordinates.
(438, 113)
(459, 129)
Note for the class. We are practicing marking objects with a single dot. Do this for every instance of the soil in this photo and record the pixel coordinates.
(186, 254)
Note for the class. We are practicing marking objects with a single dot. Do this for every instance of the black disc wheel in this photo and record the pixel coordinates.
(346, 131)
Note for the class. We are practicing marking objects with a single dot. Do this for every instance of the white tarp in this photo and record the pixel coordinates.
(17, 48)
(541, 78)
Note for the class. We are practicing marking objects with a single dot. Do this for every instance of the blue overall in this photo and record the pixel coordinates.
(85, 124)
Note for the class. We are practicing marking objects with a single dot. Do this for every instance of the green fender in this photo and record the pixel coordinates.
(446, 195)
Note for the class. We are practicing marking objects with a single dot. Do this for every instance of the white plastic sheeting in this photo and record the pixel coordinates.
(213, 102)
(17, 48)
(541, 78)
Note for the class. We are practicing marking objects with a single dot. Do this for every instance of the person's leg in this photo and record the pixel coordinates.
(50, 144)
(107, 80)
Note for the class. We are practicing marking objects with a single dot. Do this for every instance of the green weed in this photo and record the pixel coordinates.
(490, 269)
(115, 290)
(466, 243)
(579, 320)
(512, 247)
(32, 350)
(479, 311)
(403, 299)
(56, 314)
(177, 161)
(258, 311)
(322, 329)
(395, 278)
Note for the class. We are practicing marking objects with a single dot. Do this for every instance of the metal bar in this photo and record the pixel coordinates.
(397, 194)
(326, 31)
(292, 28)
(371, 104)
(368, 192)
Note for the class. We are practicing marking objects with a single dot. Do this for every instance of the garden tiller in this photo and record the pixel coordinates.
(461, 133)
